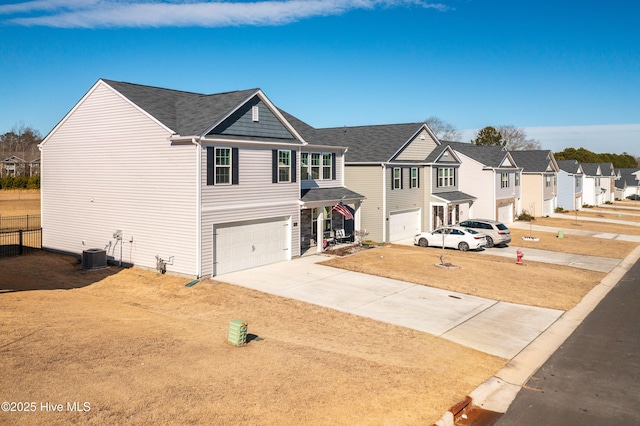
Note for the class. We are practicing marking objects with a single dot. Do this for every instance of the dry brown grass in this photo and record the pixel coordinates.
(19, 202)
(142, 348)
(570, 223)
(493, 277)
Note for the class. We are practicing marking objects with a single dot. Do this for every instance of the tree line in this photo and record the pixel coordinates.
(515, 139)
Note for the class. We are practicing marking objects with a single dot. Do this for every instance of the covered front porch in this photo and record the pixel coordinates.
(328, 216)
(450, 209)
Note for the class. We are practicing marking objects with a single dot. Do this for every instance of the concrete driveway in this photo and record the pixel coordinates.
(498, 328)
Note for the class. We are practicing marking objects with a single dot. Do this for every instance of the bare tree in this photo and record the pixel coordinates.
(443, 130)
(21, 141)
(515, 139)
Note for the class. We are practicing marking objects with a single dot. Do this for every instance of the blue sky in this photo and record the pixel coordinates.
(566, 71)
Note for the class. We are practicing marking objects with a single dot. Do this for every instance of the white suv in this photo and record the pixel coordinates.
(497, 233)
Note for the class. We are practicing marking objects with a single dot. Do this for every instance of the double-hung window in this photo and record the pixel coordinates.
(284, 166)
(504, 180)
(317, 166)
(326, 166)
(304, 166)
(445, 177)
(223, 166)
(516, 178)
(547, 179)
(397, 178)
(414, 177)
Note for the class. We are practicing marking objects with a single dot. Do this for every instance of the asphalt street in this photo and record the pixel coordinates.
(594, 377)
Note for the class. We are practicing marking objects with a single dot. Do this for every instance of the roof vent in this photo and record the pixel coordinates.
(94, 259)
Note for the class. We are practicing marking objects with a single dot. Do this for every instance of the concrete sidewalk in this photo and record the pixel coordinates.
(497, 328)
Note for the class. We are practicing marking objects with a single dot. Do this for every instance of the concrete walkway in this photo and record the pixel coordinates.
(498, 328)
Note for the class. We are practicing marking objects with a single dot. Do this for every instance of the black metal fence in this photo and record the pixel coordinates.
(15, 223)
(15, 243)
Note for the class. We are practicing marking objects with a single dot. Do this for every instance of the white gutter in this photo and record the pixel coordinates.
(384, 202)
(198, 207)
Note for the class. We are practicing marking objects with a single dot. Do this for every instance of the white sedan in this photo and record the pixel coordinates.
(455, 237)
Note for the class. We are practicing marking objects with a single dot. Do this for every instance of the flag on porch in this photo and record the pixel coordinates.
(343, 210)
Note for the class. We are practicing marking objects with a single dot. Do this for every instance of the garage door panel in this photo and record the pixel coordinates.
(505, 214)
(404, 224)
(249, 244)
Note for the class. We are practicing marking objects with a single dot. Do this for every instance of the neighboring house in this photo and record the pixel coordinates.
(13, 166)
(408, 178)
(627, 183)
(208, 183)
(490, 174)
(539, 181)
(593, 190)
(34, 167)
(607, 182)
(570, 181)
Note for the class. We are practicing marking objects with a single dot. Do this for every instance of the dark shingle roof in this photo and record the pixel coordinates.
(533, 161)
(367, 143)
(590, 169)
(628, 179)
(569, 166)
(185, 113)
(333, 194)
(455, 196)
(491, 156)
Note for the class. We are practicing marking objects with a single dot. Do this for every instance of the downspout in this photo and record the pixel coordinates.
(384, 202)
(198, 207)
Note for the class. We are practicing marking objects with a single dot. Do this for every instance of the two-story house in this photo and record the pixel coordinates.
(209, 184)
(408, 178)
(570, 181)
(490, 174)
(592, 190)
(539, 181)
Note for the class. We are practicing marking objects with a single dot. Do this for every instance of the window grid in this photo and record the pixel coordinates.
(397, 178)
(504, 180)
(284, 166)
(445, 177)
(414, 177)
(223, 166)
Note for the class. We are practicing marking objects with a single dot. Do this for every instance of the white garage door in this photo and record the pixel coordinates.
(244, 245)
(505, 213)
(546, 208)
(404, 224)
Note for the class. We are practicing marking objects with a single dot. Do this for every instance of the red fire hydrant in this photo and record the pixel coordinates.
(519, 256)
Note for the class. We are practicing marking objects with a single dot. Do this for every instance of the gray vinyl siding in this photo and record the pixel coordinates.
(109, 167)
(419, 148)
(402, 199)
(241, 123)
(368, 181)
(548, 191)
(567, 190)
(434, 177)
(255, 197)
(508, 192)
(324, 183)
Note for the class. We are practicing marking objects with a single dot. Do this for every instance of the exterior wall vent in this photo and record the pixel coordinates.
(94, 259)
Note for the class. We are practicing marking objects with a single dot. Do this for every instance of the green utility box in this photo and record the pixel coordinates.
(238, 332)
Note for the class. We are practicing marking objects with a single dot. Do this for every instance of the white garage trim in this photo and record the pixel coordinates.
(505, 213)
(244, 245)
(404, 224)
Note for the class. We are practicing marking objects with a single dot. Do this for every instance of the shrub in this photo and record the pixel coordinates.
(560, 209)
(525, 216)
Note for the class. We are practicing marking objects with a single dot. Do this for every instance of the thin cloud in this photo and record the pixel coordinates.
(141, 13)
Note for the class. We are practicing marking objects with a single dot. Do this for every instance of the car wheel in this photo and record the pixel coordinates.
(463, 246)
(489, 242)
(423, 242)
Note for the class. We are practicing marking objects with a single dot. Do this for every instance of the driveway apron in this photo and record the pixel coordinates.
(497, 328)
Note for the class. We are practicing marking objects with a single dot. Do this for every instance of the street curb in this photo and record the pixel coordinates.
(497, 393)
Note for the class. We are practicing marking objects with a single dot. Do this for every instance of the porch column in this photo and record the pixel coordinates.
(356, 217)
(320, 230)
